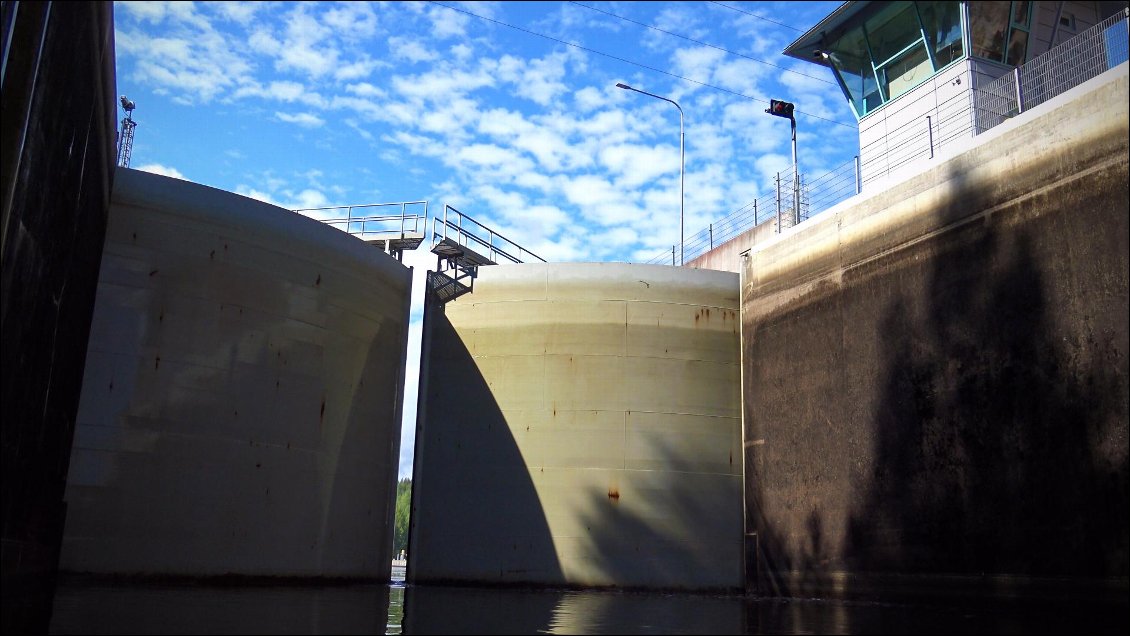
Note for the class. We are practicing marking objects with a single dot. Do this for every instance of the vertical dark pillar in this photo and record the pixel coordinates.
(56, 170)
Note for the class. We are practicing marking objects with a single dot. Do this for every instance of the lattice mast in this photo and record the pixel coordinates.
(125, 143)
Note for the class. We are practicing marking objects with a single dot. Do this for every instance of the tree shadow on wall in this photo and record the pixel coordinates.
(998, 422)
(676, 531)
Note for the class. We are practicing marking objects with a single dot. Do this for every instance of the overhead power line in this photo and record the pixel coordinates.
(759, 17)
(690, 39)
(627, 61)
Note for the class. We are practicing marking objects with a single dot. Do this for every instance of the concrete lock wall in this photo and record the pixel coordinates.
(56, 167)
(578, 425)
(240, 411)
(935, 376)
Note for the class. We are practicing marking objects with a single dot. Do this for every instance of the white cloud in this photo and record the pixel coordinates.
(308, 120)
(284, 91)
(365, 89)
(449, 118)
(190, 60)
(364, 134)
(769, 164)
(461, 51)
(636, 165)
(355, 70)
(352, 20)
(674, 20)
(307, 46)
(406, 48)
(448, 23)
(697, 63)
(241, 12)
(261, 41)
(148, 11)
(538, 80)
(167, 171)
(441, 83)
(589, 98)
(258, 195)
(308, 198)
(742, 76)
(503, 159)
(598, 199)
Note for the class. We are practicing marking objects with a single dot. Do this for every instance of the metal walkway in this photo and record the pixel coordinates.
(393, 227)
(462, 245)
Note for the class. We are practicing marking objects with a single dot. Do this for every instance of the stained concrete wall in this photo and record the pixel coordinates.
(241, 404)
(935, 376)
(578, 425)
(56, 162)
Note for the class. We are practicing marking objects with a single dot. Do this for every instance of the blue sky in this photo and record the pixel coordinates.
(508, 111)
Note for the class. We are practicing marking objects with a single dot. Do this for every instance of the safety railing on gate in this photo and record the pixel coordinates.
(460, 228)
(404, 222)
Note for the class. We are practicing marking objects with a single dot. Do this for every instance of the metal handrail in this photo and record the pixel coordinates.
(463, 235)
(389, 225)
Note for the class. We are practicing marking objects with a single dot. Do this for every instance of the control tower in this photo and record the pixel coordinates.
(925, 77)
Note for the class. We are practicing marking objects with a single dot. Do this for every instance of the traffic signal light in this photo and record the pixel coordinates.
(780, 108)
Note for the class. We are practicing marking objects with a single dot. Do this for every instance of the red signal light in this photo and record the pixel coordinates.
(780, 108)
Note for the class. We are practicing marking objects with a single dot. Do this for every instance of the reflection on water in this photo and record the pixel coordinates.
(82, 608)
(88, 608)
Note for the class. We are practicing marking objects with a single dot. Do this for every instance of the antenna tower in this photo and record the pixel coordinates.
(125, 144)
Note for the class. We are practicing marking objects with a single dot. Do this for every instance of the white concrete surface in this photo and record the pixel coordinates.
(241, 403)
(597, 442)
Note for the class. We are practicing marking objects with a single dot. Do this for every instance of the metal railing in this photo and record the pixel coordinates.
(375, 221)
(965, 115)
(1058, 70)
(777, 206)
(464, 230)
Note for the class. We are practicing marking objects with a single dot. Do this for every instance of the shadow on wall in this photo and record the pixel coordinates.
(997, 437)
(665, 528)
(355, 481)
(476, 517)
(956, 407)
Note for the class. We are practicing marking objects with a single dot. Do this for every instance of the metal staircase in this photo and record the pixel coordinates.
(462, 245)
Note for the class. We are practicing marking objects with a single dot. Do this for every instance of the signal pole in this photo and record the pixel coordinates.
(125, 144)
(785, 109)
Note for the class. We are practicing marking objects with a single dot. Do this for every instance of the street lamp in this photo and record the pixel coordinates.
(682, 161)
(785, 109)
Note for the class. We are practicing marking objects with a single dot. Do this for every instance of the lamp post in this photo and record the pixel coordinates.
(682, 161)
(785, 109)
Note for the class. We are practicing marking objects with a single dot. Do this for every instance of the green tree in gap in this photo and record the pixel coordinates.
(403, 511)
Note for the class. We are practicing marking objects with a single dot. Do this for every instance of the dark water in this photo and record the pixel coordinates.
(82, 607)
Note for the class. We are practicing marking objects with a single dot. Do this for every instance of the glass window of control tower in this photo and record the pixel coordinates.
(894, 50)
(999, 30)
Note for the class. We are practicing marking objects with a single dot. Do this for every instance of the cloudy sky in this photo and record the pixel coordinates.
(508, 111)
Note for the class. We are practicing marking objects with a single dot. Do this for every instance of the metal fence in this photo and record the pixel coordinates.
(1083, 57)
(778, 207)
